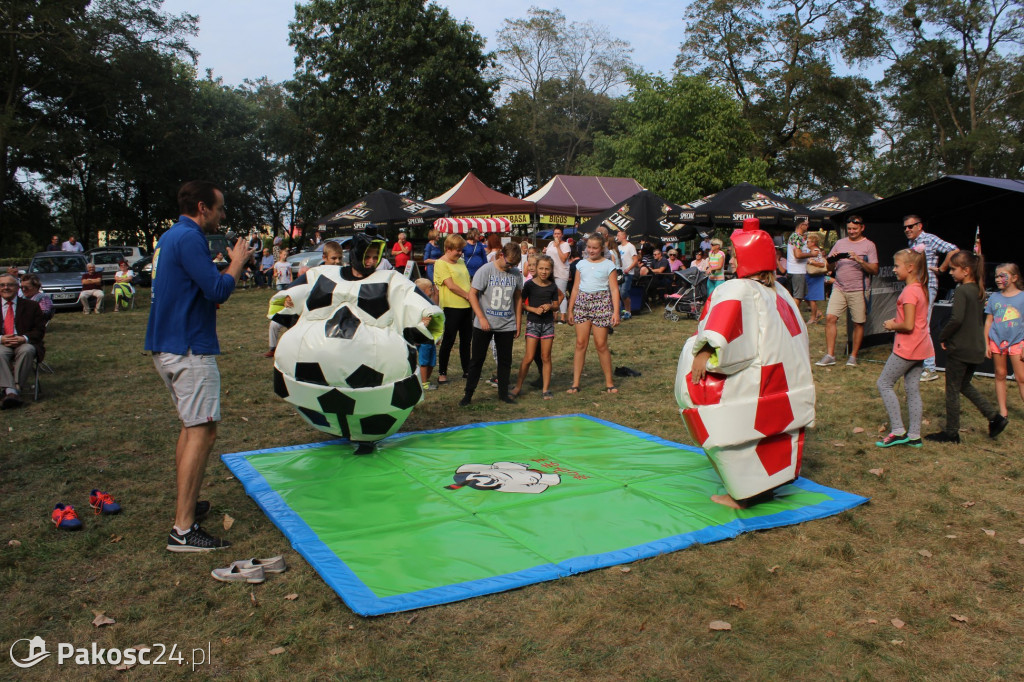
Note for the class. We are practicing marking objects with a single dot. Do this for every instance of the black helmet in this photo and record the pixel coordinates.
(362, 242)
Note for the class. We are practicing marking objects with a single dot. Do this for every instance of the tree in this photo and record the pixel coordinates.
(955, 91)
(393, 94)
(682, 139)
(813, 126)
(558, 77)
(58, 57)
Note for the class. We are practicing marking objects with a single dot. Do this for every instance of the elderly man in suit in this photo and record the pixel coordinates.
(21, 342)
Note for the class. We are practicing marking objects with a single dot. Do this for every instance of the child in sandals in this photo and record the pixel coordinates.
(594, 308)
(540, 299)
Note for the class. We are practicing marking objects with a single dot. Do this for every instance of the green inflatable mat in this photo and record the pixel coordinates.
(437, 516)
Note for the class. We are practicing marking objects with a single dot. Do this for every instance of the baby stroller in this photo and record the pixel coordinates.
(689, 299)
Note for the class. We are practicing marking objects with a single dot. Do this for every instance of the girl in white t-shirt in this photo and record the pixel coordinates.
(594, 307)
(283, 271)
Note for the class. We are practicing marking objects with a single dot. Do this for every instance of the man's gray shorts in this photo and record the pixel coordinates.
(194, 383)
(798, 281)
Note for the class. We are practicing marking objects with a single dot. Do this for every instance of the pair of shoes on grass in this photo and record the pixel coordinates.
(65, 517)
(249, 570)
(899, 439)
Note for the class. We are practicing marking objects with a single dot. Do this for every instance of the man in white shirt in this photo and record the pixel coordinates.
(72, 245)
(797, 253)
(629, 259)
(558, 250)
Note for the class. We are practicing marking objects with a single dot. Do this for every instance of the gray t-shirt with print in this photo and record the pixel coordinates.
(496, 291)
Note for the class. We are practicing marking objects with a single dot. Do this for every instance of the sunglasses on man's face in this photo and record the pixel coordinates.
(855, 222)
(910, 226)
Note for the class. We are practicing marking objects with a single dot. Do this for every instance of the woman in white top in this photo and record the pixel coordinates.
(594, 308)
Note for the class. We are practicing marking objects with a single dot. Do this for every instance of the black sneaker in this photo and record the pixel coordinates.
(508, 399)
(202, 509)
(996, 425)
(364, 447)
(943, 437)
(465, 401)
(195, 540)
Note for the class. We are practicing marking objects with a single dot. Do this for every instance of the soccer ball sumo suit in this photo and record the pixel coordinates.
(350, 364)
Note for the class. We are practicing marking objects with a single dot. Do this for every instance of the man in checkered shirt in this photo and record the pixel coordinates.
(933, 246)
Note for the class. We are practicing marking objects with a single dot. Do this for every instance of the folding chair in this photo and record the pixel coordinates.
(40, 366)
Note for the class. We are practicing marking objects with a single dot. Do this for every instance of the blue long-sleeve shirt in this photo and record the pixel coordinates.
(186, 290)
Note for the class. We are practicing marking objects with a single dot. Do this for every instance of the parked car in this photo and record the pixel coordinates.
(60, 273)
(131, 254)
(143, 270)
(313, 258)
(107, 262)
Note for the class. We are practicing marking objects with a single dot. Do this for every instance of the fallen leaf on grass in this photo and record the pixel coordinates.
(896, 642)
(115, 538)
(967, 505)
(924, 552)
(124, 666)
(958, 618)
(926, 422)
(228, 522)
(291, 597)
(1021, 541)
(351, 627)
(719, 625)
(737, 603)
(252, 598)
(873, 621)
(876, 472)
(625, 569)
(858, 429)
(245, 419)
(897, 623)
(276, 651)
(988, 532)
(412, 620)
(881, 429)
(774, 568)
(17, 543)
(951, 537)
(102, 619)
(838, 444)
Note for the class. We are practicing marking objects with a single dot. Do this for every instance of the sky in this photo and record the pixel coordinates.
(241, 39)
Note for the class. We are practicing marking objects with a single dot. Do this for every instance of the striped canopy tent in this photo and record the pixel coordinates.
(464, 225)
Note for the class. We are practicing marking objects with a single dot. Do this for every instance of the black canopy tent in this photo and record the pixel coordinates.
(843, 199)
(952, 207)
(382, 208)
(644, 214)
(734, 205)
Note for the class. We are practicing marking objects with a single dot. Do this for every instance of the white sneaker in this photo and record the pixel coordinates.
(929, 375)
(236, 574)
(851, 361)
(826, 361)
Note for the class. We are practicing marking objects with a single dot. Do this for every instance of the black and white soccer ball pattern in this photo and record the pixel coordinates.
(349, 365)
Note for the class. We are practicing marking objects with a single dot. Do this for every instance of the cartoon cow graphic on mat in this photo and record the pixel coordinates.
(506, 477)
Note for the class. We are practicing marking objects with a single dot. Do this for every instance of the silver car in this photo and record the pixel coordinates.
(313, 258)
(60, 274)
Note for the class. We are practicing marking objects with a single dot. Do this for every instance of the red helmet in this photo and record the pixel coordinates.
(755, 250)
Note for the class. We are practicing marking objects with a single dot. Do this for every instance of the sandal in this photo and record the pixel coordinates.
(513, 394)
(548, 395)
(611, 389)
(573, 389)
(442, 382)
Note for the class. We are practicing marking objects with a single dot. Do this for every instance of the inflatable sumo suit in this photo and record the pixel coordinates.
(750, 410)
(350, 365)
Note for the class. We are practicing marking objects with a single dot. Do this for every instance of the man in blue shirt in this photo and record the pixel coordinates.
(182, 335)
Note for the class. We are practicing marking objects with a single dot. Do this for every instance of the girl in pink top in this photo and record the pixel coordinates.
(913, 344)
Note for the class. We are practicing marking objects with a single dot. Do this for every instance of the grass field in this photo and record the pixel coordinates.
(926, 581)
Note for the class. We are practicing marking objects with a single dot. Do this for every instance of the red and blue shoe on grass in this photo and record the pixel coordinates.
(65, 517)
(103, 503)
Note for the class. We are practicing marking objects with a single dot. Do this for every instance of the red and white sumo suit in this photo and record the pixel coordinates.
(750, 409)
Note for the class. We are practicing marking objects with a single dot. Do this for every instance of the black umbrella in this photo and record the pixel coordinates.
(734, 205)
(841, 200)
(644, 214)
(382, 207)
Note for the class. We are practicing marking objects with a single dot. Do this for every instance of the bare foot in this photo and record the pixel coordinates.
(727, 501)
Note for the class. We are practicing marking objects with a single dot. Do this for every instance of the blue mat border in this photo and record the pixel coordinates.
(364, 602)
